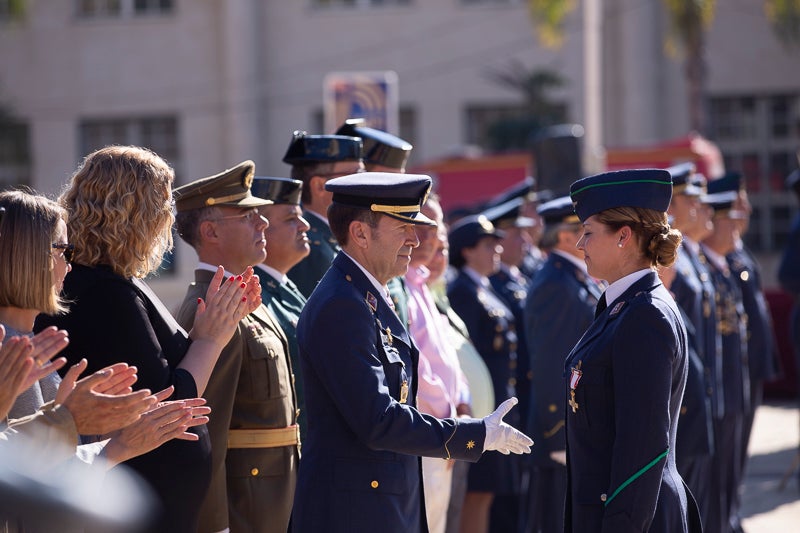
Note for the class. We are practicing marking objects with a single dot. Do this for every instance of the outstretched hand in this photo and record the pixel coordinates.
(503, 437)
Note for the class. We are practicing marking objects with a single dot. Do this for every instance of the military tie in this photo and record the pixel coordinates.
(601, 306)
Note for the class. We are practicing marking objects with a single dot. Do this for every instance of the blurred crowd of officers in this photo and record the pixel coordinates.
(494, 299)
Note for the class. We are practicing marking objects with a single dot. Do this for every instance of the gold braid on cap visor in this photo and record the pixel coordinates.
(229, 198)
(394, 208)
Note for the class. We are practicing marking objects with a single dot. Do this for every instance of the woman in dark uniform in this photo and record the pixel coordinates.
(626, 376)
(475, 252)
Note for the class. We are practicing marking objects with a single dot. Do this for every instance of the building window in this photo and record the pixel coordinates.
(509, 127)
(123, 8)
(15, 152)
(143, 7)
(99, 8)
(159, 134)
(735, 118)
(325, 4)
(758, 136)
(490, 2)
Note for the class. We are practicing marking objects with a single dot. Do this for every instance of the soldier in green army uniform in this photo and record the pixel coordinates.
(315, 159)
(287, 245)
(383, 152)
(254, 433)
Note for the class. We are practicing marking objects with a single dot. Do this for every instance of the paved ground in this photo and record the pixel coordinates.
(766, 507)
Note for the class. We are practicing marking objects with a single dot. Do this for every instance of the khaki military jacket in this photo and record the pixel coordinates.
(251, 388)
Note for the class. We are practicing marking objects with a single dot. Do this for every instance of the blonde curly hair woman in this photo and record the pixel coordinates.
(119, 203)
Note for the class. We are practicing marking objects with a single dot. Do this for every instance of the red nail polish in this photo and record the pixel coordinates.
(199, 300)
(230, 278)
(239, 278)
(243, 285)
(244, 298)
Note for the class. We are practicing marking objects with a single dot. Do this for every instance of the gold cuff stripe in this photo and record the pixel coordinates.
(453, 434)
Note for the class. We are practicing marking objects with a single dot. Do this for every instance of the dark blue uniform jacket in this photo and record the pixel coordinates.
(307, 273)
(360, 468)
(622, 475)
(559, 309)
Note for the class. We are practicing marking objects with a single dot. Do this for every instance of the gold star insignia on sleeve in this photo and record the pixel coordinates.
(470, 444)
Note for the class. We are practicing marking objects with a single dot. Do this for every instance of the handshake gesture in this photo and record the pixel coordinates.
(502, 437)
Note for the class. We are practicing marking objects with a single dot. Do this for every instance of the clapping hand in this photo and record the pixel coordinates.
(24, 361)
(167, 421)
(226, 303)
(103, 402)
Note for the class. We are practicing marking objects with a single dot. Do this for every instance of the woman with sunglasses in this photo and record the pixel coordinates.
(34, 260)
(119, 203)
(626, 376)
(32, 268)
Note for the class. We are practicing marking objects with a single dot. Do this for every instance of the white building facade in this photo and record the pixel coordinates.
(209, 83)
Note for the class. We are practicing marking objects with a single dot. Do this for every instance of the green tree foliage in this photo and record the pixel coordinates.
(784, 17)
(548, 18)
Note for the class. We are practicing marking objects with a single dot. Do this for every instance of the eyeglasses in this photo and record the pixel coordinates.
(250, 217)
(66, 250)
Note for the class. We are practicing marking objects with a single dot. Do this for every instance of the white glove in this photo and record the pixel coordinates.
(502, 437)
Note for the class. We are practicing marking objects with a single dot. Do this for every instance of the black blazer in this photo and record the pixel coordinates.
(112, 319)
(621, 434)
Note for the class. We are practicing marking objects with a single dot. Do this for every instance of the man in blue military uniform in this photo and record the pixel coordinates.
(527, 197)
(383, 152)
(558, 310)
(690, 283)
(762, 356)
(287, 245)
(493, 484)
(315, 159)
(511, 284)
(761, 345)
(361, 466)
(732, 328)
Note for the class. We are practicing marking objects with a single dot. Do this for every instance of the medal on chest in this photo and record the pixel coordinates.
(404, 391)
(574, 379)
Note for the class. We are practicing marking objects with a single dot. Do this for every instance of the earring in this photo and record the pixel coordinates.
(619, 245)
